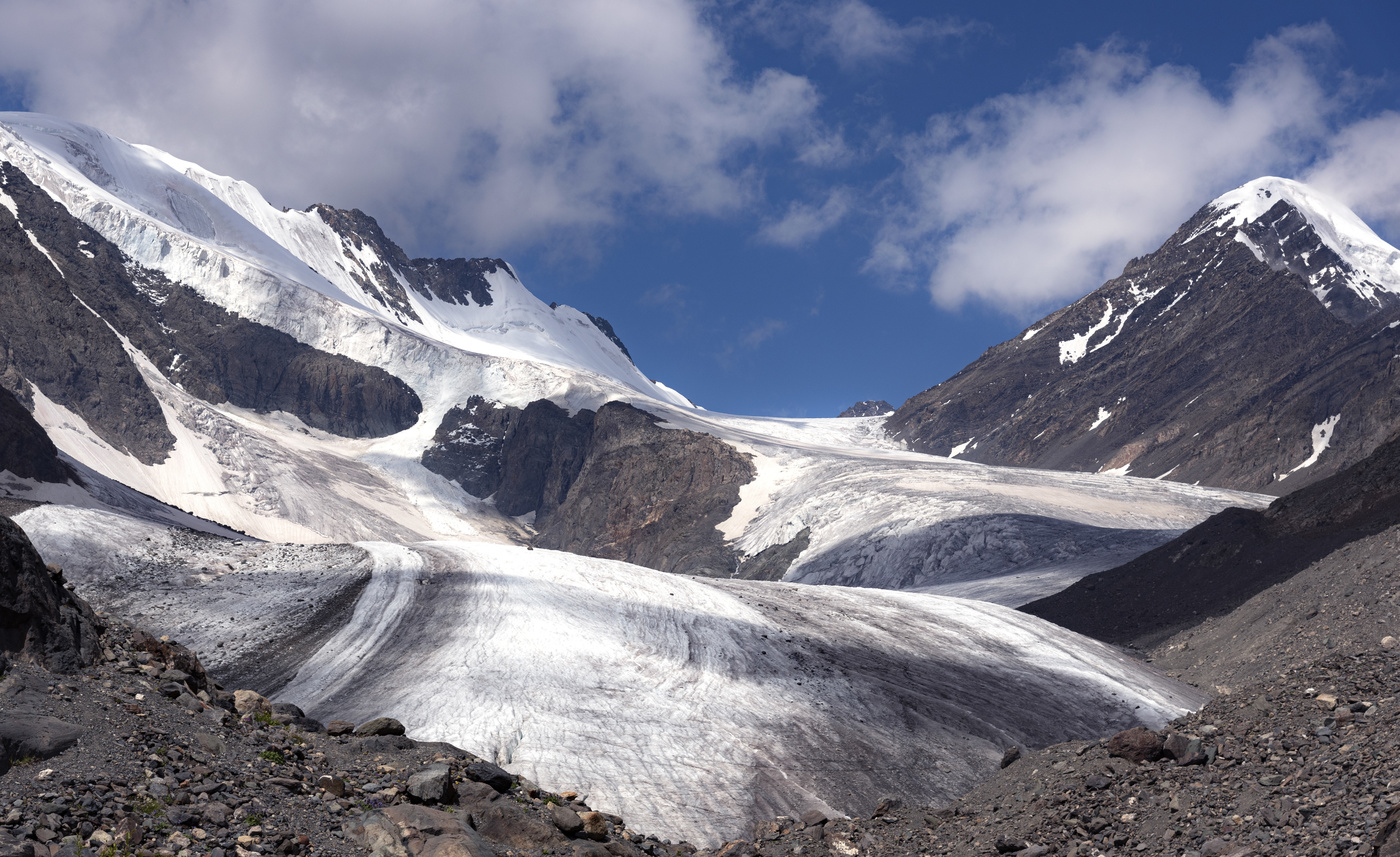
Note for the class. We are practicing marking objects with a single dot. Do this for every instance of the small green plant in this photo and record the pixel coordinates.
(252, 819)
(119, 847)
(147, 806)
(297, 739)
(264, 717)
(273, 756)
(24, 760)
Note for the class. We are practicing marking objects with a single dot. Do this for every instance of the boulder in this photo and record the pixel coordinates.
(505, 823)
(566, 820)
(250, 702)
(34, 736)
(493, 775)
(1138, 744)
(433, 784)
(379, 726)
(408, 829)
(595, 827)
(339, 727)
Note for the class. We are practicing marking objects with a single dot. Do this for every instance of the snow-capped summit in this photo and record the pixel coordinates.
(1251, 350)
(1291, 225)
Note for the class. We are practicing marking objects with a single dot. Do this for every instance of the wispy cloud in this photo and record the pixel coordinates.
(852, 32)
(804, 223)
(1038, 197)
(761, 333)
(495, 122)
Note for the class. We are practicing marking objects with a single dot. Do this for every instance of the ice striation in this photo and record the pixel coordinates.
(692, 707)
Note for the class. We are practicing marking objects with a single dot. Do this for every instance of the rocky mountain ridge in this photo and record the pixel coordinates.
(1245, 352)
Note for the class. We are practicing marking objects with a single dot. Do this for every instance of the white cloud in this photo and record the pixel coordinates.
(761, 333)
(1038, 197)
(852, 32)
(856, 33)
(1362, 168)
(804, 223)
(494, 122)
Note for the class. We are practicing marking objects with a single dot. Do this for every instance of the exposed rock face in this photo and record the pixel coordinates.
(650, 496)
(456, 281)
(41, 622)
(1230, 558)
(606, 327)
(358, 230)
(71, 296)
(25, 450)
(468, 444)
(612, 485)
(868, 408)
(1203, 362)
(541, 457)
(772, 562)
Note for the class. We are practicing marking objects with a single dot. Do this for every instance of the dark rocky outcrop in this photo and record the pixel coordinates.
(358, 230)
(455, 281)
(25, 450)
(650, 496)
(1231, 557)
(612, 484)
(468, 443)
(458, 281)
(868, 408)
(66, 308)
(772, 562)
(606, 327)
(1203, 362)
(542, 456)
(41, 620)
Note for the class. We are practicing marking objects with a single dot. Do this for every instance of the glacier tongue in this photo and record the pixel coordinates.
(691, 707)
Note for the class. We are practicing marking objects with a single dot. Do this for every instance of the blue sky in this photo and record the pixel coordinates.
(782, 207)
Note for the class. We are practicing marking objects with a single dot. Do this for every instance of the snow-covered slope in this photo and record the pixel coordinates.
(692, 707)
(347, 290)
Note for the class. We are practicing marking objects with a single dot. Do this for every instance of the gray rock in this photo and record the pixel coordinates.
(211, 743)
(566, 820)
(432, 784)
(379, 726)
(505, 823)
(189, 703)
(493, 775)
(814, 817)
(34, 736)
(331, 784)
(286, 710)
(1010, 757)
(339, 727)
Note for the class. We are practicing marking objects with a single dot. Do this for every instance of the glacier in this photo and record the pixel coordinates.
(359, 583)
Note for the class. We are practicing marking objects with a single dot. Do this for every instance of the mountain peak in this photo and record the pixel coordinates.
(1291, 225)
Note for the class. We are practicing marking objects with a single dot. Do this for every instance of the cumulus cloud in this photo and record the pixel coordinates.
(482, 123)
(804, 223)
(1040, 196)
